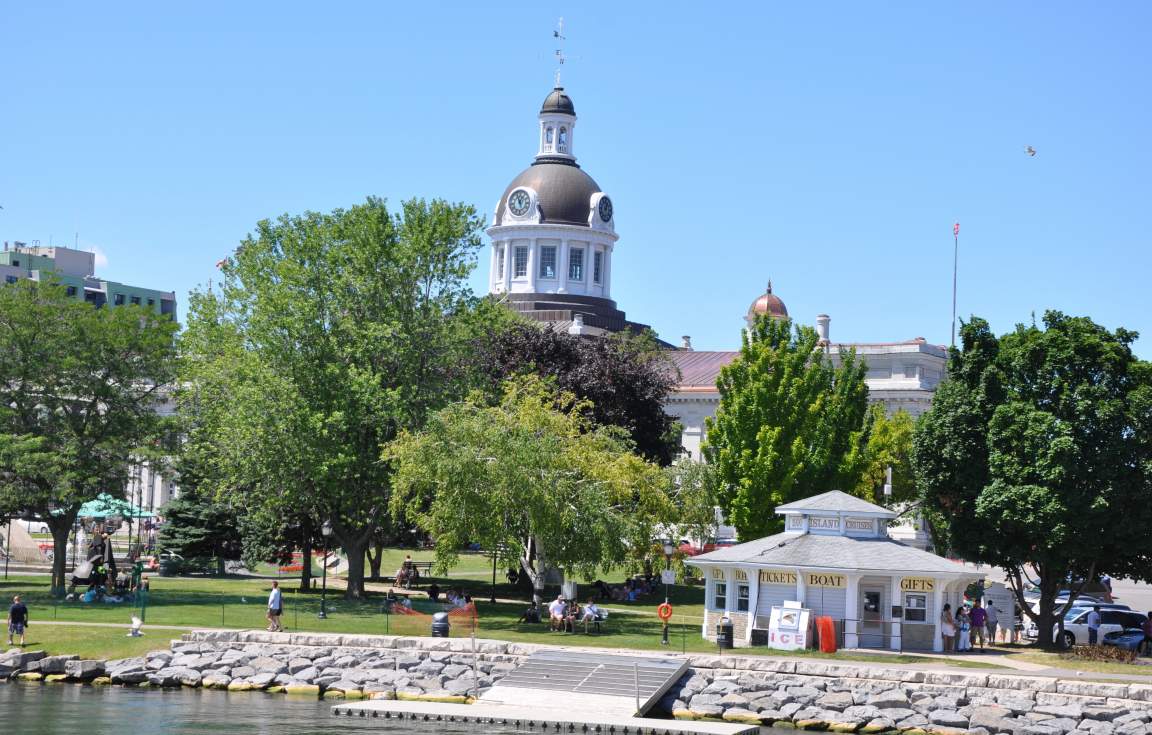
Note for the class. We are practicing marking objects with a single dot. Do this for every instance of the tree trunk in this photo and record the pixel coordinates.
(355, 550)
(532, 562)
(375, 560)
(60, 526)
(221, 569)
(306, 566)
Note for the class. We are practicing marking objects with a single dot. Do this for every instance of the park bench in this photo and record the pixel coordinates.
(421, 568)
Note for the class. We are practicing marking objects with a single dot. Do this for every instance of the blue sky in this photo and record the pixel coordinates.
(827, 146)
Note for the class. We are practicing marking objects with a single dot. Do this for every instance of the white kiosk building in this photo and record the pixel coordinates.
(835, 557)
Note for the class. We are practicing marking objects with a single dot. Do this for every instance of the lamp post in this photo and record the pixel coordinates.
(668, 549)
(326, 531)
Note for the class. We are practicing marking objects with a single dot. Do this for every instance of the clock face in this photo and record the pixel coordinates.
(605, 209)
(519, 202)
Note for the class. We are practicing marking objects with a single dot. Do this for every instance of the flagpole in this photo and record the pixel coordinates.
(955, 263)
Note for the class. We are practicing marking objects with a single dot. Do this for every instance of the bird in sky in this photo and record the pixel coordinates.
(1030, 150)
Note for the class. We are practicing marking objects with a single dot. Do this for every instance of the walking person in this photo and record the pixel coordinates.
(992, 621)
(275, 608)
(1094, 626)
(1146, 626)
(978, 618)
(947, 628)
(17, 620)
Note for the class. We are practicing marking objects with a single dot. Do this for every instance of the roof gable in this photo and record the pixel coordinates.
(835, 501)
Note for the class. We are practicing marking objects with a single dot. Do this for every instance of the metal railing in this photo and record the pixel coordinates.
(860, 633)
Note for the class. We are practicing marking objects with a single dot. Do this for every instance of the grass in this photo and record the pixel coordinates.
(96, 643)
(239, 602)
(1064, 661)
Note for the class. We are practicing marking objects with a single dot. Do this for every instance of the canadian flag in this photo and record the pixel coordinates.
(956, 230)
(221, 263)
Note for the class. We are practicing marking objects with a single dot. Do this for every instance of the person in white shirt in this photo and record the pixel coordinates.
(275, 608)
(591, 612)
(556, 611)
(992, 621)
(1094, 626)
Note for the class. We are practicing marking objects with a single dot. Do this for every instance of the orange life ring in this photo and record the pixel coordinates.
(664, 612)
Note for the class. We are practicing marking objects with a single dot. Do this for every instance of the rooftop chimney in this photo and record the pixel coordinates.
(686, 343)
(822, 321)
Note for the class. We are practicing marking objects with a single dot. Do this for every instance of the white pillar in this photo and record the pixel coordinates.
(562, 267)
(507, 245)
(608, 271)
(895, 641)
(852, 612)
(753, 594)
(533, 264)
(801, 587)
(730, 600)
(937, 607)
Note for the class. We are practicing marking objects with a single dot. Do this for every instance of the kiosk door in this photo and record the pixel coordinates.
(871, 616)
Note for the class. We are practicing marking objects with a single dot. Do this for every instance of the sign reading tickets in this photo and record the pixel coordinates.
(917, 584)
(771, 576)
(820, 579)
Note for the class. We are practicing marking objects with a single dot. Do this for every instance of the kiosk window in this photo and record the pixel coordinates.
(742, 598)
(916, 608)
(720, 599)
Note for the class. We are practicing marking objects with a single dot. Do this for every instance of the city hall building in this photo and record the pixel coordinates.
(835, 557)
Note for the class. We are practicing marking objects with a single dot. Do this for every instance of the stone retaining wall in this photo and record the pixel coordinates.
(841, 697)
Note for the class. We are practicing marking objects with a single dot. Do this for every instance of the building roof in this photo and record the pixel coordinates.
(835, 501)
(563, 192)
(768, 303)
(700, 369)
(850, 553)
(558, 101)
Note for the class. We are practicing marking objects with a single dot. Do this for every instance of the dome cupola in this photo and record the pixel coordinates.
(767, 303)
(558, 102)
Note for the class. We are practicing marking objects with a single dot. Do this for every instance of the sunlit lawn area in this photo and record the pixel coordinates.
(239, 602)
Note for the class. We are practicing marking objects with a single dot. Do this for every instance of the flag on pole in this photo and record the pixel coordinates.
(956, 230)
(222, 263)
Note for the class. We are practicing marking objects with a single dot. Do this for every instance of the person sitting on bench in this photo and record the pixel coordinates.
(557, 609)
(591, 613)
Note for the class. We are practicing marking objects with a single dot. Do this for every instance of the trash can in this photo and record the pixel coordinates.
(724, 633)
(440, 625)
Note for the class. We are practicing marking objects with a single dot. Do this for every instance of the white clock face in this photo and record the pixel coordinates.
(519, 202)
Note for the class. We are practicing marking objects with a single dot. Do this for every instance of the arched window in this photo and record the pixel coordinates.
(548, 138)
(563, 142)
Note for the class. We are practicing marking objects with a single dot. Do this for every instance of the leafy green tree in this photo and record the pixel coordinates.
(624, 377)
(889, 444)
(533, 473)
(1037, 456)
(787, 426)
(198, 526)
(78, 387)
(329, 335)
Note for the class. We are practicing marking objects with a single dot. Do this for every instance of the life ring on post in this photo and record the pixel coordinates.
(664, 612)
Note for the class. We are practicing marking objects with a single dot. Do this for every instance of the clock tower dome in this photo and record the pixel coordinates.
(553, 233)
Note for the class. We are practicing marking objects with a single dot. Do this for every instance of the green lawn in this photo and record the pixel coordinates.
(97, 643)
(237, 602)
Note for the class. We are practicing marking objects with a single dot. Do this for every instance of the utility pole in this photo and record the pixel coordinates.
(955, 263)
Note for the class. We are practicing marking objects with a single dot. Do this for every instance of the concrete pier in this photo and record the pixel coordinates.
(535, 719)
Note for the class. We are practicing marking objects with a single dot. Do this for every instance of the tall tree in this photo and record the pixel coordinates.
(78, 391)
(330, 334)
(787, 423)
(532, 473)
(624, 377)
(889, 444)
(199, 526)
(1037, 456)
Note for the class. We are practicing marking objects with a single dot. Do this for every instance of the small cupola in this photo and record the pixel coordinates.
(557, 121)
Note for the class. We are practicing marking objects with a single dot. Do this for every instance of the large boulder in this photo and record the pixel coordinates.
(889, 699)
(55, 664)
(84, 669)
(947, 718)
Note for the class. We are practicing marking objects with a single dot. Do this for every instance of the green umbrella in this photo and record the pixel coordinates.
(105, 505)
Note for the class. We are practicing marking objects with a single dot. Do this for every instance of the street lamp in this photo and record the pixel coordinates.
(668, 550)
(326, 531)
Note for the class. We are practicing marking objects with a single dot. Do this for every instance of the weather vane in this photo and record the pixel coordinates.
(558, 34)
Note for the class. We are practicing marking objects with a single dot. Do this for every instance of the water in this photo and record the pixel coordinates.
(51, 709)
(70, 709)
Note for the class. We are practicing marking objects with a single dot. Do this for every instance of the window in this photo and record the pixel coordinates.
(720, 599)
(742, 598)
(1112, 617)
(548, 261)
(597, 266)
(151, 302)
(916, 608)
(71, 290)
(548, 139)
(576, 264)
(499, 262)
(119, 300)
(520, 263)
(10, 279)
(135, 300)
(15, 263)
(562, 141)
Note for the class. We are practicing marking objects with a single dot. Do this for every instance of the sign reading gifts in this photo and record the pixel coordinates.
(917, 584)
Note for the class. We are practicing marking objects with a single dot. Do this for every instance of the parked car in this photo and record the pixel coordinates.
(1031, 630)
(1111, 621)
(1129, 639)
